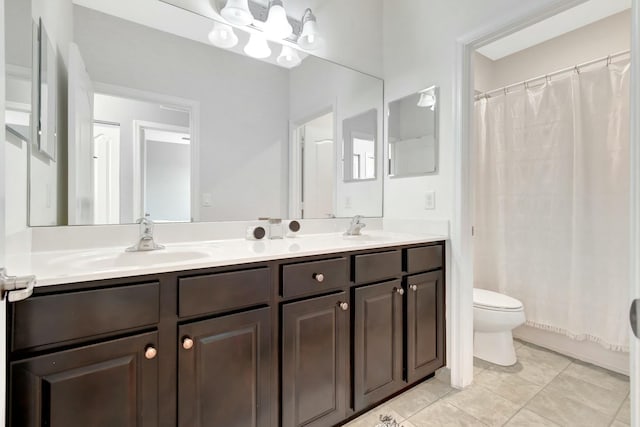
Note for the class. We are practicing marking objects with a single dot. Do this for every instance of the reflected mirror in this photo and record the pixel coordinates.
(413, 134)
(153, 118)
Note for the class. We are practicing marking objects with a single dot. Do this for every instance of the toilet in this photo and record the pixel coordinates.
(495, 315)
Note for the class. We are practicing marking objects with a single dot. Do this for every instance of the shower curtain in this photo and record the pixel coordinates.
(552, 202)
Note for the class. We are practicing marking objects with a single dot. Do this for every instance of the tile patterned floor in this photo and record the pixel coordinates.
(543, 389)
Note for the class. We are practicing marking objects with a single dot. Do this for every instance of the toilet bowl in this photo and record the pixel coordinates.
(495, 315)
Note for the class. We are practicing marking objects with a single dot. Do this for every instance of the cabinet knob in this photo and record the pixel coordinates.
(400, 291)
(187, 343)
(319, 277)
(344, 306)
(414, 288)
(150, 352)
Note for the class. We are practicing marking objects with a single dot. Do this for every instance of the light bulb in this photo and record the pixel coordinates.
(309, 37)
(222, 35)
(277, 25)
(237, 12)
(257, 47)
(289, 57)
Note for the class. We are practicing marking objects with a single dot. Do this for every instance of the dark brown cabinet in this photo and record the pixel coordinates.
(114, 383)
(224, 369)
(315, 354)
(283, 343)
(378, 355)
(425, 324)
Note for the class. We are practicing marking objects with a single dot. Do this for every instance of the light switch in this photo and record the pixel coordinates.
(430, 200)
(207, 200)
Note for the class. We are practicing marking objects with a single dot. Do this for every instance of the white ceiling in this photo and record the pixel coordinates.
(564, 22)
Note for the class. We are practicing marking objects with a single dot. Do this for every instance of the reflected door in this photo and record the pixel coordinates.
(106, 173)
(318, 168)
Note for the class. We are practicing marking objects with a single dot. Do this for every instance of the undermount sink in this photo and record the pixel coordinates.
(367, 238)
(121, 259)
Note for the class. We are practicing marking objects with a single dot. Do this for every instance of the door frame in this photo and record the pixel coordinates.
(182, 104)
(461, 317)
(3, 240)
(140, 161)
(635, 202)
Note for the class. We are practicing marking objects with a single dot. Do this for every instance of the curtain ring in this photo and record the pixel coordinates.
(548, 79)
(526, 85)
(506, 90)
(609, 60)
(577, 69)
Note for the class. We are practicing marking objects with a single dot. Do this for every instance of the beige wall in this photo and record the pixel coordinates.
(597, 40)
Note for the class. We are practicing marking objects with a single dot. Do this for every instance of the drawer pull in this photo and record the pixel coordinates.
(344, 306)
(400, 291)
(150, 352)
(414, 288)
(187, 343)
(319, 277)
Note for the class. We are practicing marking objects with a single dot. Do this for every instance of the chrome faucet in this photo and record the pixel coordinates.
(145, 241)
(355, 226)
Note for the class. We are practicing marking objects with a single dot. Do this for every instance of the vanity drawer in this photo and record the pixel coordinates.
(379, 266)
(59, 318)
(314, 277)
(424, 259)
(219, 292)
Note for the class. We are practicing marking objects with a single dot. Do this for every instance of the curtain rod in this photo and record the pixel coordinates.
(547, 77)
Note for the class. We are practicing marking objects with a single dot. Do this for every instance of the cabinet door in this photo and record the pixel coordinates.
(425, 325)
(224, 366)
(101, 385)
(314, 361)
(378, 314)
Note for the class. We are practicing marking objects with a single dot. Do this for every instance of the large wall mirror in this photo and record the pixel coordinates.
(413, 134)
(150, 117)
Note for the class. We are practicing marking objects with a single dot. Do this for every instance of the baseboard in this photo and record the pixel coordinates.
(585, 351)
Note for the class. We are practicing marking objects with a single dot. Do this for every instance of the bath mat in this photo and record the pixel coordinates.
(388, 421)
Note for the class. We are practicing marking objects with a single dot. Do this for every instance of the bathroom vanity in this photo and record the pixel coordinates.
(287, 341)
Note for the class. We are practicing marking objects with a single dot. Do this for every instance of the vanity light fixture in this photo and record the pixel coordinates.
(289, 57)
(257, 47)
(277, 25)
(427, 98)
(309, 37)
(222, 35)
(237, 12)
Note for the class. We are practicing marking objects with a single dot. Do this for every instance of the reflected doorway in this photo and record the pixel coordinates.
(106, 172)
(317, 167)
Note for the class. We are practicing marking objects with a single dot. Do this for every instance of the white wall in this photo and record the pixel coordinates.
(317, 86)
(419, 51)
(597, 40)
(243, 155)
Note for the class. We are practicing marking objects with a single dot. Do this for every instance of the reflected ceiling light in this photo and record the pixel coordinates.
(237, 12)
(223, 36)
(257, 47)
(427, 99)
(309, 37)
(277, 25)
(289, 57)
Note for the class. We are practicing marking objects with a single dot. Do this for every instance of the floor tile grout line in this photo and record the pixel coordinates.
(615, 417)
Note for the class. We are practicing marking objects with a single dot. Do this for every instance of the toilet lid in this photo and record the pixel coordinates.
(494, 300)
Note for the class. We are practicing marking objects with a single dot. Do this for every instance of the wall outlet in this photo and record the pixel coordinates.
(430, 200)
(207, 200)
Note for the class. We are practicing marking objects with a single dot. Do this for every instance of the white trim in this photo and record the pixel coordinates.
(3, 240)
(461, 299)
(140, 162)
(635, 203)
(183, 104)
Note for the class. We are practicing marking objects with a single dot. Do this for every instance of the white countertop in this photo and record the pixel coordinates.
(71, 266)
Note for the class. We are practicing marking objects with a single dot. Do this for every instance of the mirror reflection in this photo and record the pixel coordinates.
(147, 121)
(360, 141)
(413, 134)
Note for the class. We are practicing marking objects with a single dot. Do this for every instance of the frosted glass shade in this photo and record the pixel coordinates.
(257, 47)
(289, 57)
(428, 100)
(237, 12)
(277, 25)
(309, 37)
(223, 36)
